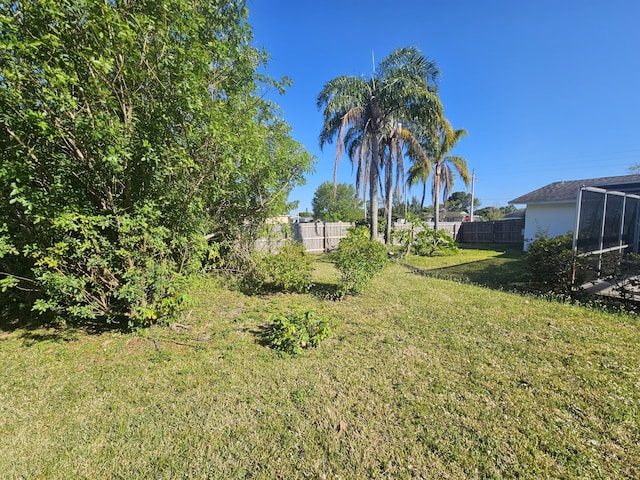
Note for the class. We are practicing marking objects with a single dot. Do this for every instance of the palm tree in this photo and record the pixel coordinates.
(361, 112)
(396, 140)
(434, 157)
(444, 165)
(419, 172)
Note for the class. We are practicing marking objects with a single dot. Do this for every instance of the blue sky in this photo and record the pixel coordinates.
(548, 90)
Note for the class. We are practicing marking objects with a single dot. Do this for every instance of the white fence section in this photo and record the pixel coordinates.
(320, 237)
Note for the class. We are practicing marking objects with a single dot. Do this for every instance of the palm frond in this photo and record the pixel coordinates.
(460, 165)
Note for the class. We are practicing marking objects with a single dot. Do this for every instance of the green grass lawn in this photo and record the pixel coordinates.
(502, 268)
(425, 377)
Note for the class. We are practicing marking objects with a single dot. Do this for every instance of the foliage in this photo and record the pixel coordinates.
(490, 213)
(288, 270)
(494, 213)
(374, 119)
(294, 332)
(84, 276)
(461, 202)
(550, 262)
(358, 258)
(437, 159)
(336, 205)
(416, 209)
(429, 242)
(136, 147)
(422, 240)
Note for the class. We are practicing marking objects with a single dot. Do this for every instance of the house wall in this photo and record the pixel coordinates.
(552, 219)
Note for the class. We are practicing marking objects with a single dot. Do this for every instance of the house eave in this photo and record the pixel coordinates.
(542, 202)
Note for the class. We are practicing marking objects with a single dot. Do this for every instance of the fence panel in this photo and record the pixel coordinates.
(501, 231)
(508, 231)
(319, 236)
(323, 237)
(334, 232)
(277, 236)
(311, 235)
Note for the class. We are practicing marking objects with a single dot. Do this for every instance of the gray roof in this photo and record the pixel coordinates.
(567, 191)
(517, 215)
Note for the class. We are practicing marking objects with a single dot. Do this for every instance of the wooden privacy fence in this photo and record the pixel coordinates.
(320, 236)
(316, 237)
(500, 231)
(324, 237)
(452, 228)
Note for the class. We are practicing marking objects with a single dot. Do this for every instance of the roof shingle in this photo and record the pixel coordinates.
(567, 191)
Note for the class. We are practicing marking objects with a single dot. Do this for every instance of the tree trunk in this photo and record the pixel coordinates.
(374, 180)
(389, 201)
(436, 198)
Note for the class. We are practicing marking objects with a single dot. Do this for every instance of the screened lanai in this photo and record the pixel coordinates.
(606, 237)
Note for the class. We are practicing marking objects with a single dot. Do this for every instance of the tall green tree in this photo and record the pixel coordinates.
(419, 173)
(438, 162)
(396, 141)
(461, 201)
(339, 204)
(495, 213)
(445, 165)
(361, 112)
(136, 145)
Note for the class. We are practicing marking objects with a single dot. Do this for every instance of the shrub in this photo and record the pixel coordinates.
(298, 330)
(430, 242)
(358, 258)
(120, 176)
(424, 241)
(550, 262)
(288, 270)
(101, 268)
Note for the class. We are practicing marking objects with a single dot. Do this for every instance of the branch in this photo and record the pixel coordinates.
(18, 277)
(24, 145)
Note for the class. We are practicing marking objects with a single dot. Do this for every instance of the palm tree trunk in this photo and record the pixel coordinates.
(436, 198)
(374, 179)
(389, 201)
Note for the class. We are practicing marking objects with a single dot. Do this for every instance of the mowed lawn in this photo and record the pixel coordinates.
(426, 376)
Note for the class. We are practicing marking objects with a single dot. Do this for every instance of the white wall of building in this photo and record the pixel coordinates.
(552, 219)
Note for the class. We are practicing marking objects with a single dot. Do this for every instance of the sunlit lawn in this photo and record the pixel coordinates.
(425, 377)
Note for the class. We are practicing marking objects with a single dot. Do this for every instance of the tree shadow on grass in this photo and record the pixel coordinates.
(34, 327)
(507, 271)
(261, 333)
(325, 291)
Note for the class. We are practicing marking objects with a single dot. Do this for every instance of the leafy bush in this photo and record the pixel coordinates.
(430, 242)
(125, 168)
(550, 262)
(288, 270)
(424, 241)
(132, 279)
(358, 258)
(298, 330)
